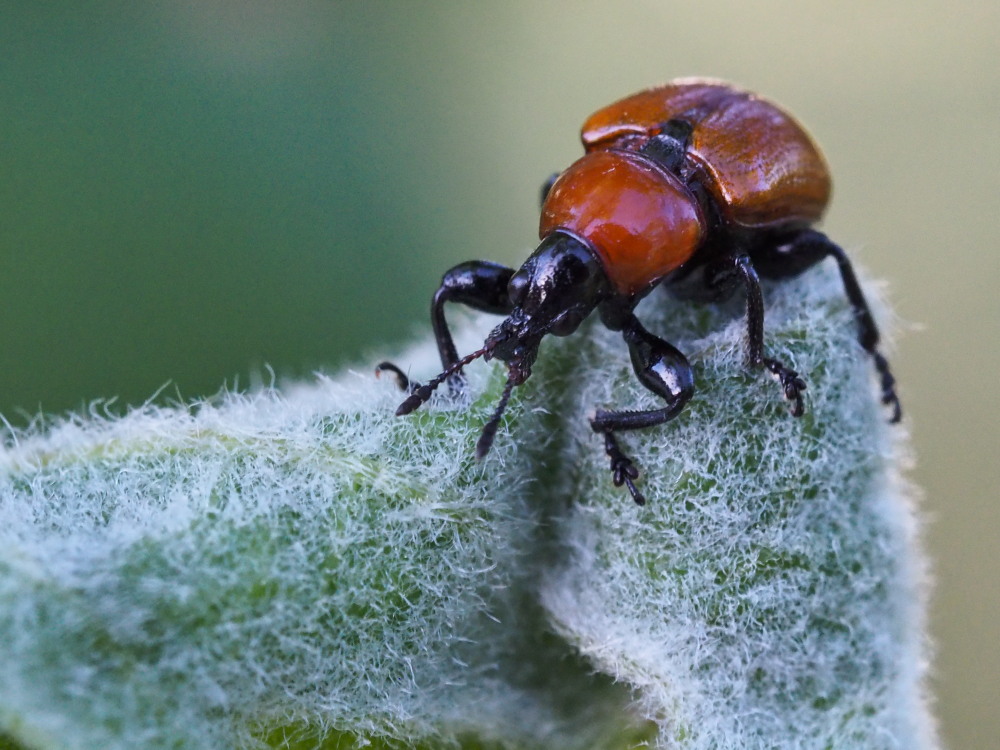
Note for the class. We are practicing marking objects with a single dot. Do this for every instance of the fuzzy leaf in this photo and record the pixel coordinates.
(303, 569)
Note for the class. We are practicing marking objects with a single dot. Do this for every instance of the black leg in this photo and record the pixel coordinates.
(805, 250)
(663, 370)
(623, 471)
(739, 270)
(479, 284)
(402, 379)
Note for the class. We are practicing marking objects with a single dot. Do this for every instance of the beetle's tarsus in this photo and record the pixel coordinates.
(892, 401)
(623, 471)
(636, 495)
(791, 384)
(888, 384)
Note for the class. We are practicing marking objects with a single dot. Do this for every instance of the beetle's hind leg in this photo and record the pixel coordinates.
(807, 249)
(666, 372)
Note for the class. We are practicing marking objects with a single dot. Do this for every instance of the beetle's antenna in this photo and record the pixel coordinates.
(421, 394)
(490, 429)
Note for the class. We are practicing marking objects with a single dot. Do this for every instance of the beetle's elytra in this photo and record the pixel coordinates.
(696, 183)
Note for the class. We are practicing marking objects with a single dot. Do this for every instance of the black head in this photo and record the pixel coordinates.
(555, 289)
(553, 292)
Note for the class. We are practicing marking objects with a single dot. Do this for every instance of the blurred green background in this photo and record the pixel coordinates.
(193, 189)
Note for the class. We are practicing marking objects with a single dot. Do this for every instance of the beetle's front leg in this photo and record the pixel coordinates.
(738, 269)
(479, 284)
(666, 372)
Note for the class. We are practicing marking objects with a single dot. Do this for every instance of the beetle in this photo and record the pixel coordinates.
(695, 186)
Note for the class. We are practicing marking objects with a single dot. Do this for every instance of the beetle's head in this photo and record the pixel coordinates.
(553, 292)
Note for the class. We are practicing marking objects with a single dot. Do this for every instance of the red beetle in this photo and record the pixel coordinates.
(695, 185)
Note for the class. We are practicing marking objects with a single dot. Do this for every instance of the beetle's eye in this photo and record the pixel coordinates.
(517, 287)
(566, 323)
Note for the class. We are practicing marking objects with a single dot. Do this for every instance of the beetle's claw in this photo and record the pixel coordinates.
(636, 495)
(623, 471)
(888, 384)
(791, 384)
(892, 401)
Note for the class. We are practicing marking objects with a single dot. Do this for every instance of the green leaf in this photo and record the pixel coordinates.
(300, 569)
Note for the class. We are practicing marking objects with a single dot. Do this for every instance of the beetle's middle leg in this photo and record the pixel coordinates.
(737, 270)
(666, 372)
(478, 284)
(804, 250)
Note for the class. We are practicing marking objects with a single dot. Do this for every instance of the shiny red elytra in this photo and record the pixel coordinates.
(757, 163)
(696, 187)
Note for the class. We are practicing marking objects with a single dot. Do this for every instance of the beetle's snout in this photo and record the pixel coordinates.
(515, 342)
